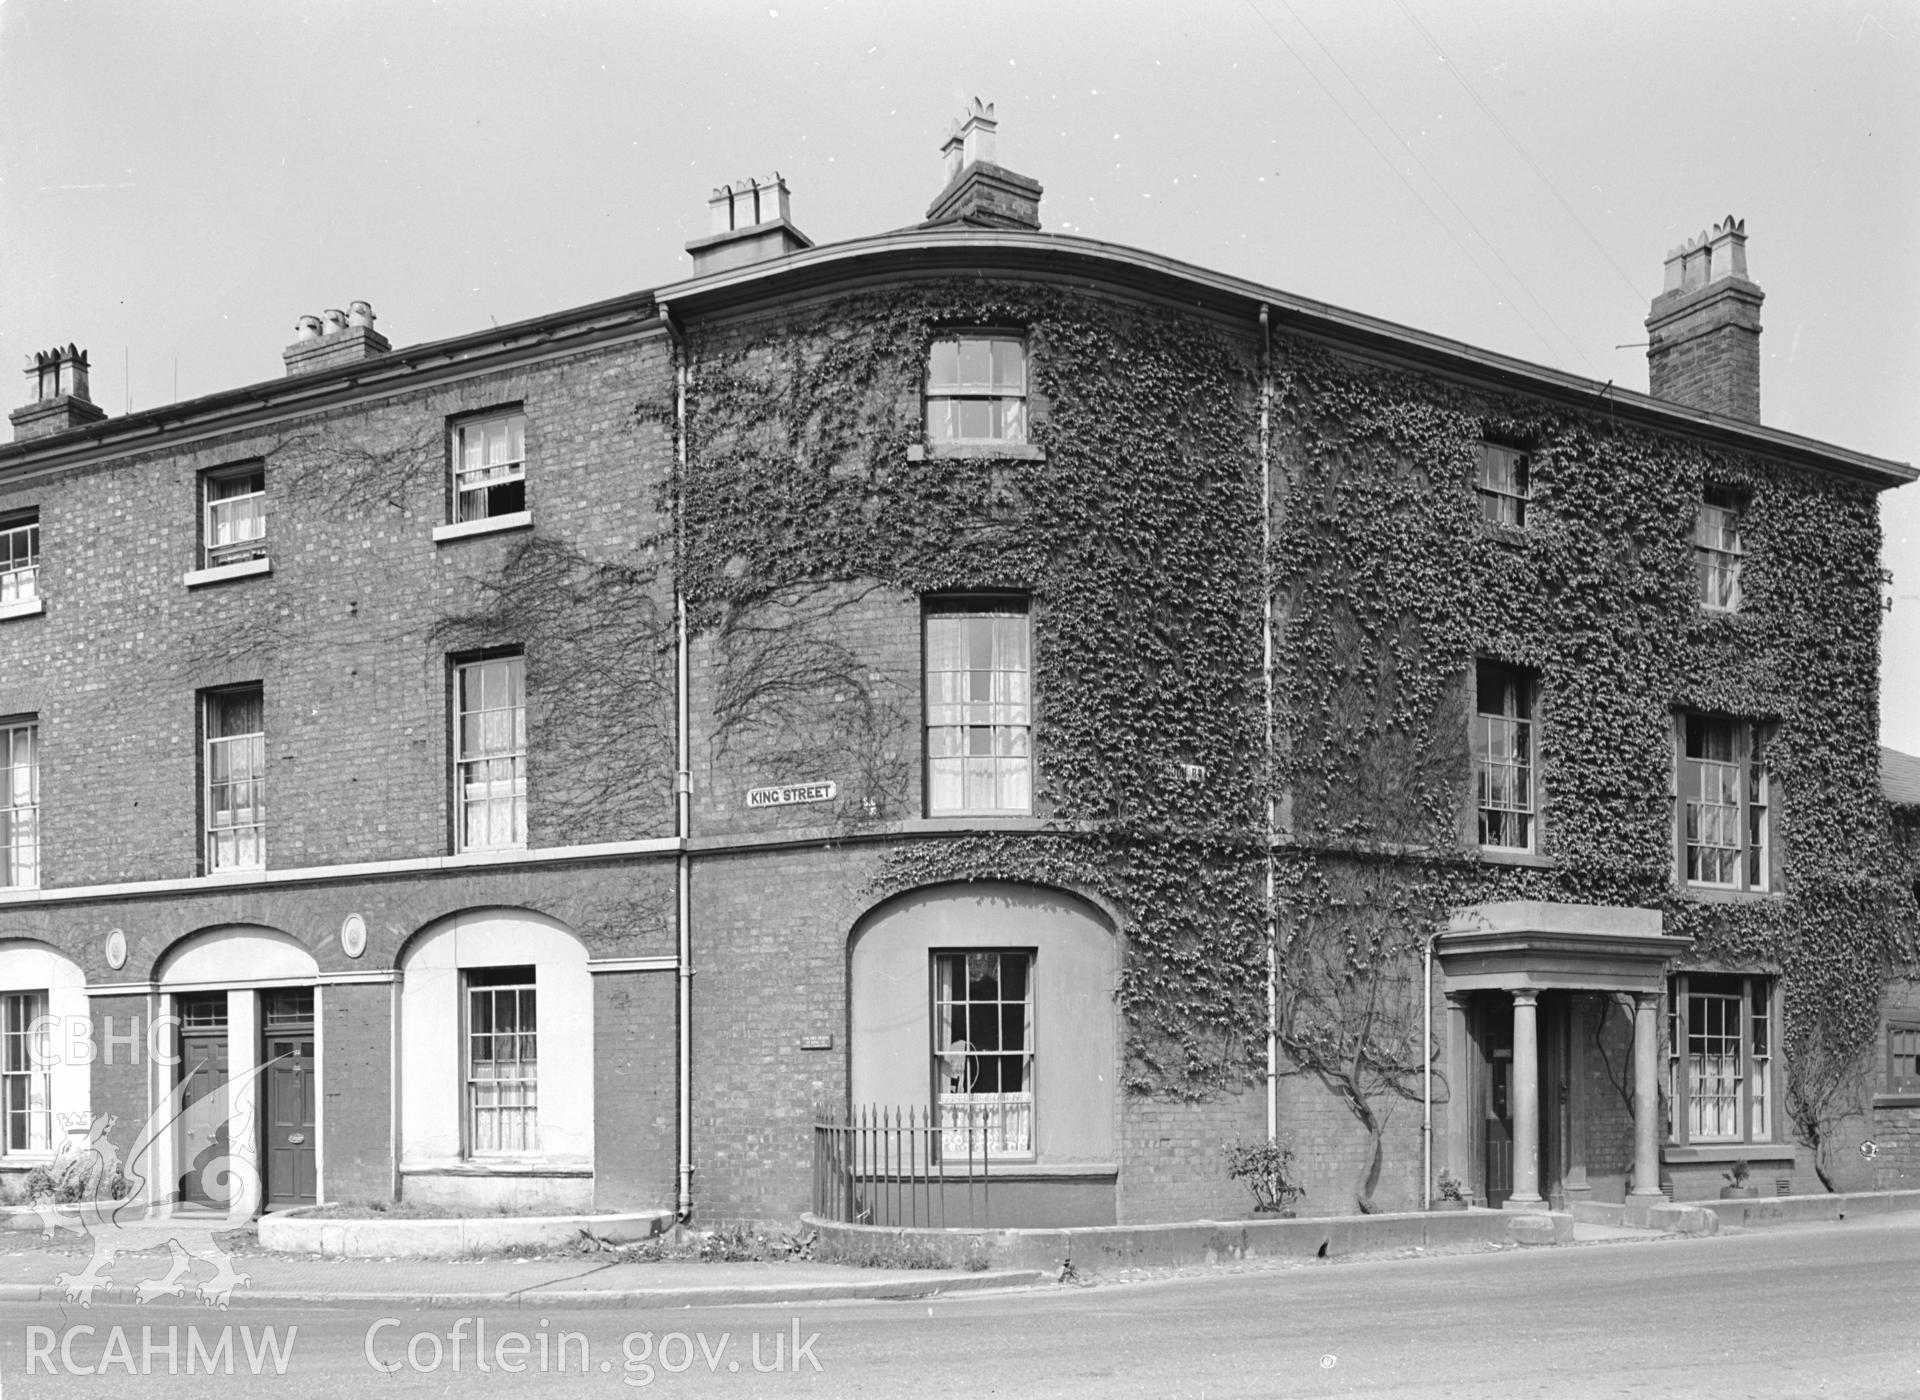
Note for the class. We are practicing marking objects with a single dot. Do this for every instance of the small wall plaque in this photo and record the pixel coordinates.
(353, 935)
(116, 950)
(791, 794)
(816, 1042)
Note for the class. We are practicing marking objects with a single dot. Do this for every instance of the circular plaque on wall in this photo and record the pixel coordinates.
(116, 950)
(353, 935)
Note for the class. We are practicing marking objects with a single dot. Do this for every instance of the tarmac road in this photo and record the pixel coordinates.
(1795, 1311)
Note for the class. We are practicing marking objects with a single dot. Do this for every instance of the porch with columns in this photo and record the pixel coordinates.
(1516, 951)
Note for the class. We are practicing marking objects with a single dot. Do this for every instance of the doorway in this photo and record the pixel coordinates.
(288, 1124)
(1492, 1029)
(203, 1146)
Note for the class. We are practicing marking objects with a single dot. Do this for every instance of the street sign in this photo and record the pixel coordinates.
(791, 794)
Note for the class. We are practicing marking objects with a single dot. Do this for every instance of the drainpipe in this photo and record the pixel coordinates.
(1266, 680)
(1426, 1092)
(682, 779)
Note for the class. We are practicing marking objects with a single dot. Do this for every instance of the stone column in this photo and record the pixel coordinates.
(1646, 1100)
(1524, 1093)
(1461, 1116)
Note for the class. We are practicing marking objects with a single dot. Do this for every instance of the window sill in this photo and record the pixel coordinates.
(958, 821)
(1728, 1152)
(1495, 855)
(1025, 1169)
(498, 1166)
(1025, 451)
(1896, 1100)
(1709, 894)
(492, 525)
(26, 607)
(1505, 534)
(220, 573)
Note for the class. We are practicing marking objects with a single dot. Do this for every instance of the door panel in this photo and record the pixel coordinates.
(290, 1120)
(203, 1120)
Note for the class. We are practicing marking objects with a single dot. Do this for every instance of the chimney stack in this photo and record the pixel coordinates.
(1703, 334)
(980, 193)
(334, 337)
(61, 398)
(750, 222)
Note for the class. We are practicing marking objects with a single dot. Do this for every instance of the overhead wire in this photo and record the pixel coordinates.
(1518, 149)
(1445, 193)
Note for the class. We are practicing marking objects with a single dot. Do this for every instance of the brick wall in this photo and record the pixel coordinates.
(120, 1086)
(635, 1090)
(356, 1111)
(339, 635)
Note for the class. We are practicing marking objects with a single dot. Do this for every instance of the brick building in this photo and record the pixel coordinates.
(1035, 685)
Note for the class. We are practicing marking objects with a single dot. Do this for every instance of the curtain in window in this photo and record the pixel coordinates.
(1503, 757)
(19, 807)
(26, 1080)
(978, 713)
(236, 780)
(492, 738)
(983, 1050)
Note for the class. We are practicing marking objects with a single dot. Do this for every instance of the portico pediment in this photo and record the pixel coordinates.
(1542, 944)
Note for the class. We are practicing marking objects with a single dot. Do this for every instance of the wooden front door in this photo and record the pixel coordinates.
(289, 1123)
(203, 1145)
(1498, 1040)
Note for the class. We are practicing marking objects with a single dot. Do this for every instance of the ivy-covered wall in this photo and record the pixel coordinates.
(1391, 585)
(1133, 526)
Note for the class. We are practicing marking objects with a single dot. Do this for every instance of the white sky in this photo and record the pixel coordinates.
(181, 179)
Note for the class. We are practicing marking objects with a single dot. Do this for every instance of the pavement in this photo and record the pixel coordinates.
(31, 1273)
(31, 1270)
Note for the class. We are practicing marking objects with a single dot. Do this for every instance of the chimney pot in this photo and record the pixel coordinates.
(979, 192)
(749, 221)
(62, 396)
(334, 337)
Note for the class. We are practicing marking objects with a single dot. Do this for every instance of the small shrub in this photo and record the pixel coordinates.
(1267, 1168)
(1738, 1173)
(1451, 1187)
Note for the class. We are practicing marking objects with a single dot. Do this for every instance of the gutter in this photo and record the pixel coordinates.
(682, 783)
(970, 252)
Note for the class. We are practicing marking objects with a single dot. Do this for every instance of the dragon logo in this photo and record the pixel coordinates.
(148, 1215)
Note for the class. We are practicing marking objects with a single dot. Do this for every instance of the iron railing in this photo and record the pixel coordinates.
(901, 1167)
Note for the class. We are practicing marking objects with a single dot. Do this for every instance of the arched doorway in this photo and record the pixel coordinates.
(240, 1007)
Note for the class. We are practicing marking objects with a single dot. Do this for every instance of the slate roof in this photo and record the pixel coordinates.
(1899, 777)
